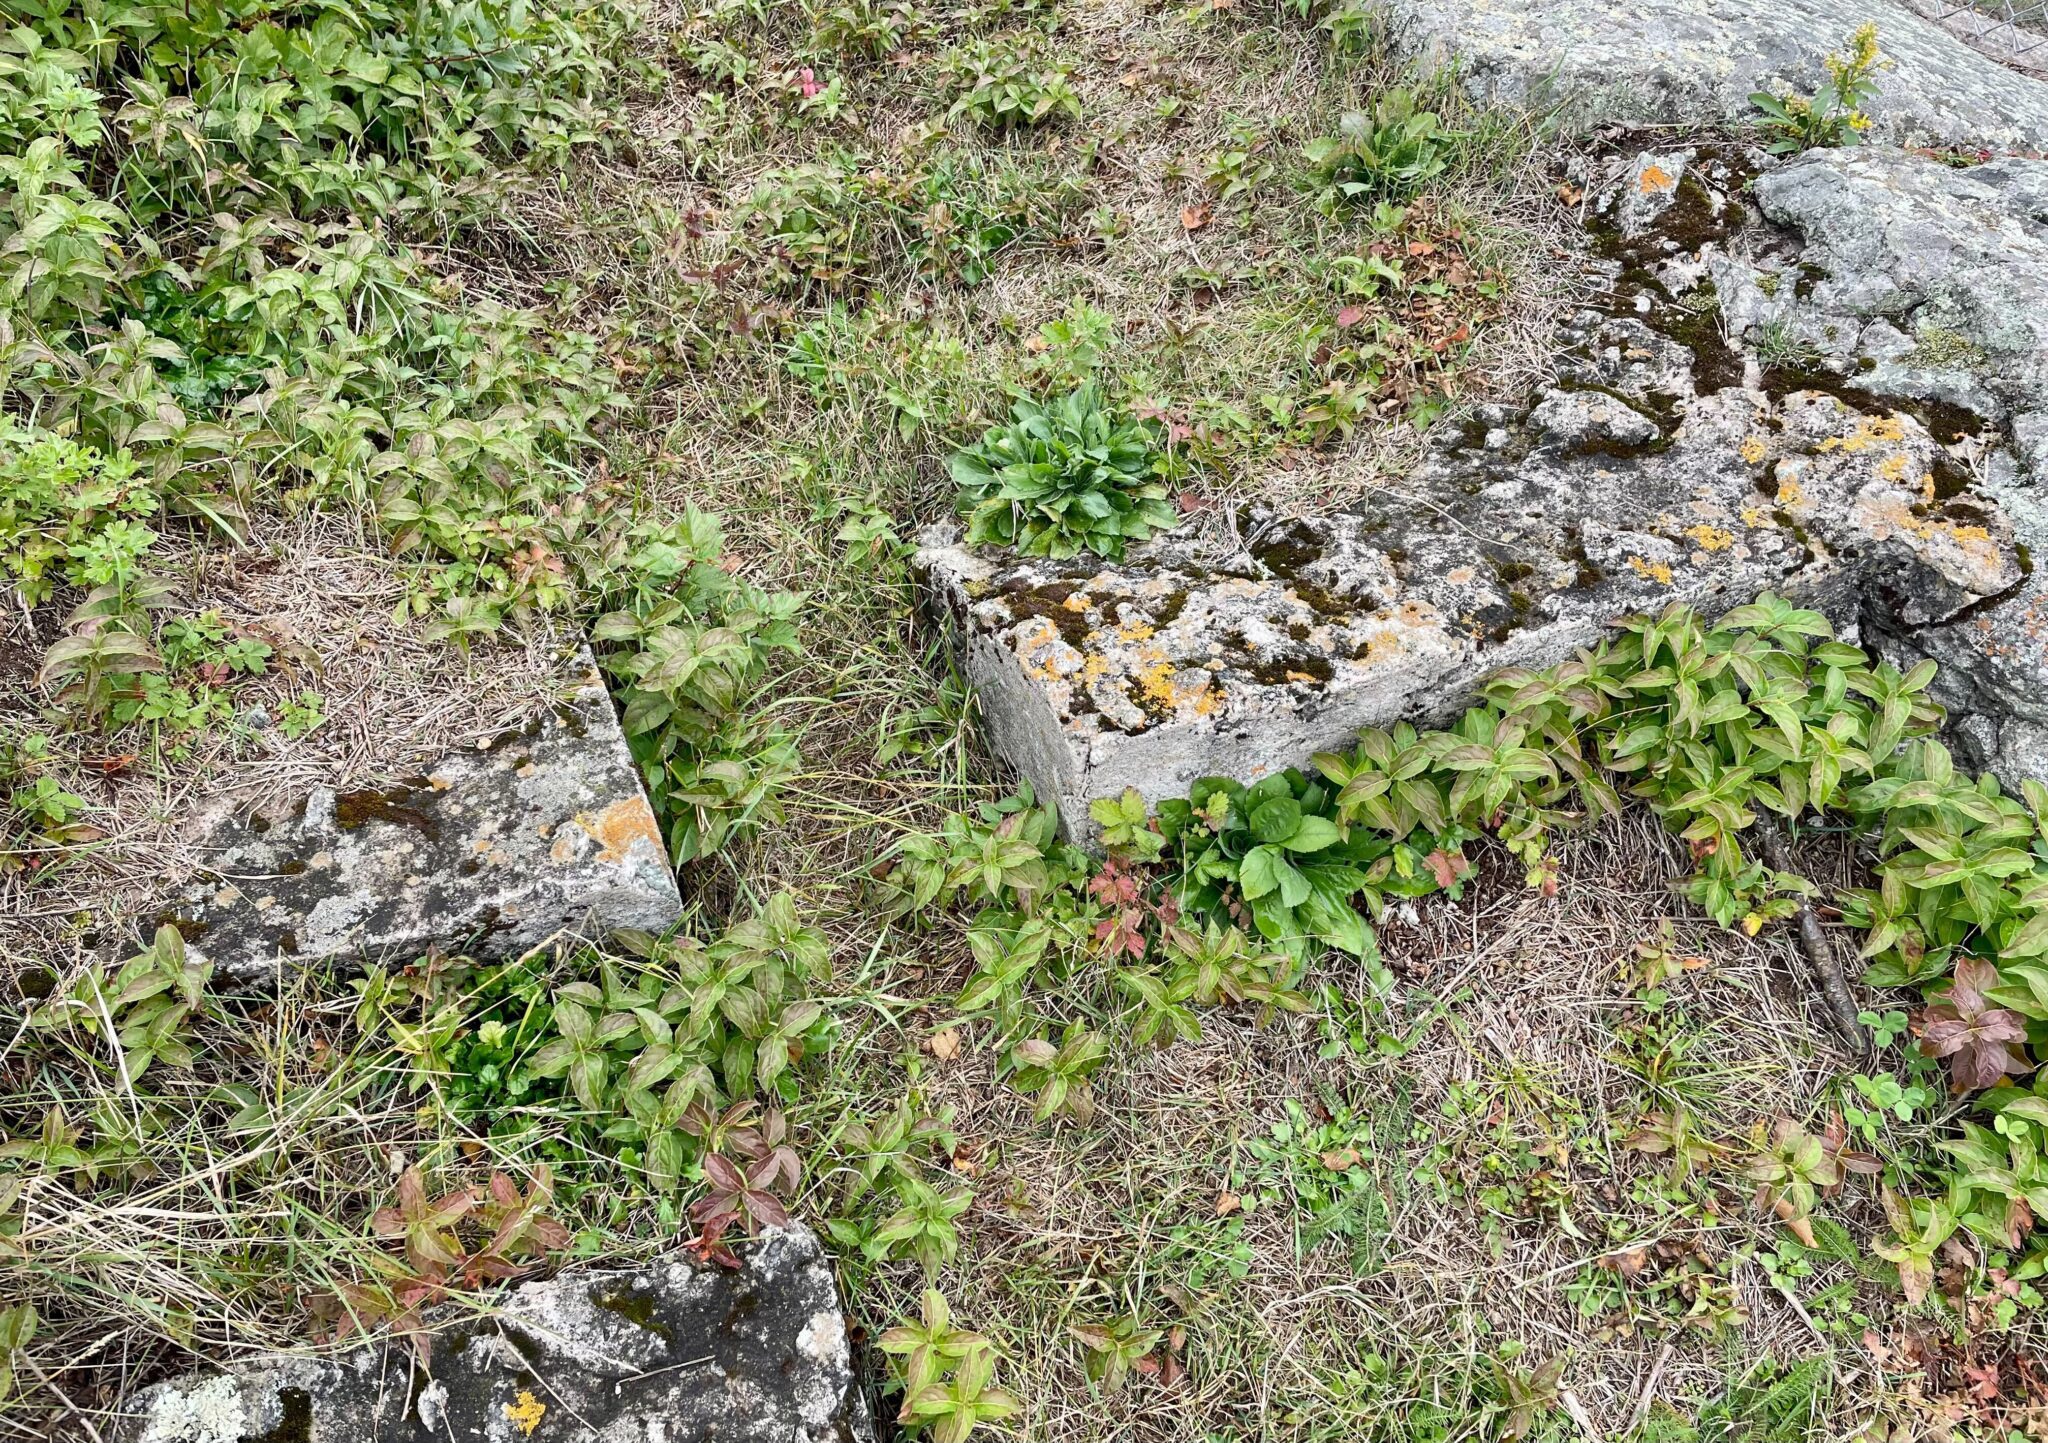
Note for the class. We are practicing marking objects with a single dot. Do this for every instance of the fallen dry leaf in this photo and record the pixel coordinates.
(1228, 1203)
(944, 1045)
(1194, 217)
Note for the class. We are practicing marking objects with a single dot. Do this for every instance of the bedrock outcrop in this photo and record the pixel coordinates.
(1821, 377)
(1696, 62)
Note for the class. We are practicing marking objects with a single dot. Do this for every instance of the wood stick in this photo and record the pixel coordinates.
(1818, 949)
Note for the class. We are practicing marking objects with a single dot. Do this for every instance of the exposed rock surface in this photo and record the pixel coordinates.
(1696, 62)
(1932, 284)
(1822, 378)
(670, 1353)
(492, 851)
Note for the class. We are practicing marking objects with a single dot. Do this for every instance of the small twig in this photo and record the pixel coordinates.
(69, 1406)
(1580, 1416)
(1642, 1409)
(1817, 948)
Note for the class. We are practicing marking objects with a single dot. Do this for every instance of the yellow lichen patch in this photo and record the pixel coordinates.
(1758, 519)
(1655, 571)
(1160, 684)
(1791, 493)
(1134, 631)
(1077, 602)
(1710, 538)
(526, 1413)
(1301, 676)
(1753, 449)
(1979, 550)
(1655, 180)
(1870, 431)
(1892, 468)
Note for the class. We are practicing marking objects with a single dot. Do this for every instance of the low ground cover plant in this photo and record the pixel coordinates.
(1061, 477)
(264, 262)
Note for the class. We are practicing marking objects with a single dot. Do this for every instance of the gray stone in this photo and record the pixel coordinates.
(669, 1353)
(1696, 62)
(1954, 260)
(1932, 285)
(1715, 429)
(492, 851)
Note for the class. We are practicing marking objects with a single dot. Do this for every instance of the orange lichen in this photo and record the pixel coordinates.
(619, 826)
(1655, 571)
(1710, 538)
(1870, 431)
(1655, 179)
(1753, 449)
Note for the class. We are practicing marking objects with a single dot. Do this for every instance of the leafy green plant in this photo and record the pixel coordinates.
(658, 1061)
(947, 1374)
(1387, 153)
(57, 499)
(1113, 1349)
(142, 1011)
(690, 645)
(204, 333)
(872, 28)
(1005, 857)
(1003, 84)
(1059, 1073)
(1273, 855)
(1833, 115)
(1525, 1394)
(809, 221)
(302, 714)
(923, 1226)
(1795, 1168)
(1062, 477)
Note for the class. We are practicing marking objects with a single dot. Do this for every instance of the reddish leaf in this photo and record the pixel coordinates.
(1448, 866)
(1977, 1039)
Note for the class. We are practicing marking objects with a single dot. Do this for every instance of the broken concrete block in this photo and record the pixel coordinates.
(491, 852)
(1669, 462)
(669, 1353)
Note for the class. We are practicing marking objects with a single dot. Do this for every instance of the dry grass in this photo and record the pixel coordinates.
(1075, 1224)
